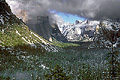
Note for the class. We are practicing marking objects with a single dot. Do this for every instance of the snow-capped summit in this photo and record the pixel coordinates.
(93, 22)
(63, 26)
(78, 21)
(80, 31)
(84, 22)
(105, 31)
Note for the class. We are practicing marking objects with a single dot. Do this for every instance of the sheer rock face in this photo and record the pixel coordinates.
(57, 34)
(41, 27)
(45, 29)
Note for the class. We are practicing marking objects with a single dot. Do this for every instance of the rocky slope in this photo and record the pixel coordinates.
(14, 32)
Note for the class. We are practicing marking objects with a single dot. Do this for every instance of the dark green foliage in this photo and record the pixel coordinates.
(57, 74)
(7, 60)
(113, 63)
(36, 58)
(4, 78)
(28, 48)
(88, 73)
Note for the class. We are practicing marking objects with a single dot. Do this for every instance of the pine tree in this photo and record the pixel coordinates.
(108, 35)
(57, 74)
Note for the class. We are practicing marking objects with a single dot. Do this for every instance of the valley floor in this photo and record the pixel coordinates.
(34, 65)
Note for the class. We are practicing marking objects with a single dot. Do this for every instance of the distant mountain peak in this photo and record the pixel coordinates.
(80, 31)
(78, 21)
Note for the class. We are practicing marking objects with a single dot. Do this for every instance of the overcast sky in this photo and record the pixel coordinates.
(91, 9)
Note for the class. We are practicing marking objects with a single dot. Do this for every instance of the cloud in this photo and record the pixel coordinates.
(91, 9)
(54, 18)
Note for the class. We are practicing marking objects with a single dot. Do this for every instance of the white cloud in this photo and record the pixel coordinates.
(94, 9)
(56, 19)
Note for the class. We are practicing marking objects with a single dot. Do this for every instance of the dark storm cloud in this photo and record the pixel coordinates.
(110, 9)
(93, 9)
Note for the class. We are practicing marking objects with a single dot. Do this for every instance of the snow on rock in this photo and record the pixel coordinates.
(48, 47)
(7, 13)
(43, 66)
(32, 44)
(18, 33)
(1, 19)
(40, 38)
(81, 30)
(78, 21)
(108, 34)
(2, 31)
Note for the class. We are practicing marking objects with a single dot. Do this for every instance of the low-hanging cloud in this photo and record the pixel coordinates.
(91, 9)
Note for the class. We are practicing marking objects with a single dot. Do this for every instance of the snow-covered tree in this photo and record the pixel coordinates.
(108, 33)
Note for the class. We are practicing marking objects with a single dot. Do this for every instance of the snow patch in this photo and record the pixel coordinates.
(2, 31)
(32, 44)
(117, 42)
(1, 19)
(43, 66)
(18, 33)
(40, 38)
(1, 42)
(7, 13)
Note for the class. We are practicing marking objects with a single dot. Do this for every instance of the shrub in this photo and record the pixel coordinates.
(57, 74)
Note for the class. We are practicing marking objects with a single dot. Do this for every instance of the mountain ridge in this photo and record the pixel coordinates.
(14, 31)
(79, 31)
(101, 32)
